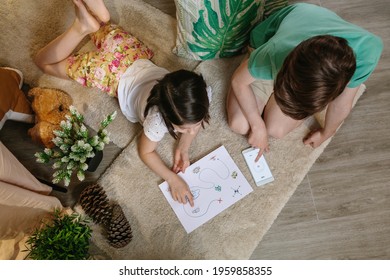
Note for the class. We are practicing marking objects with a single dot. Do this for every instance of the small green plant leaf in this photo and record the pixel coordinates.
(64, 238)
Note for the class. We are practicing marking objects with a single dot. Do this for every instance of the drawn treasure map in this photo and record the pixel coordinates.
(215, 182)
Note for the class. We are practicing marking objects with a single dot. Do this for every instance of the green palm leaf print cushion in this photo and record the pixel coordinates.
(208, 29)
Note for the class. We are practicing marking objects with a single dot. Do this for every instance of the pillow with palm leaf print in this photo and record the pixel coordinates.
(208, 29)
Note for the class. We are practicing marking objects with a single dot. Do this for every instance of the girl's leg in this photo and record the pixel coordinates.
(98, 8)
(52, 58)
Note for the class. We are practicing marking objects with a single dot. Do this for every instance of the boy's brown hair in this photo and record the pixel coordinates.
(314, 74)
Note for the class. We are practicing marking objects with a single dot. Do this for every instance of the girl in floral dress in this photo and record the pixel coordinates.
(163, 102)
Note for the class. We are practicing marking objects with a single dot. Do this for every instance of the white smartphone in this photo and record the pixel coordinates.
(260, 170)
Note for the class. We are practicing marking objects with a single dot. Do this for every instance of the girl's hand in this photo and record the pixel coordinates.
(181, 161)
(315, 138)
(180, 191)
(259, 139)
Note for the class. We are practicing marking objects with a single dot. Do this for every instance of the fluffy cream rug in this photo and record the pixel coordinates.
(234, 234)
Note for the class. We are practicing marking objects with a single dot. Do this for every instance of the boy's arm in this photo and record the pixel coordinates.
(179, 189)
(181, 159)
(336, 113)
(241, 88)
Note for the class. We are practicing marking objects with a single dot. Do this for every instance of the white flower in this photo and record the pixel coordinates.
(80, 143)
(70, 165)
(74, 156)
(94, 140)
(83, 159)
(83, 166)
(57, 141)
(65, 159)
(90, 154)
(64, 147)
(48, 151)
(73, 110)
(88, 147)
(83, 128)
(80, 175)
(57, 164)
(103, 133)
(55, 180)
(100, 146)
(66, 181)
(40, 160)
(58, 133)
(106, 140)
(66, 124)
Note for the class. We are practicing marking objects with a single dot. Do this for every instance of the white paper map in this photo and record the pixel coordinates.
(215, 182)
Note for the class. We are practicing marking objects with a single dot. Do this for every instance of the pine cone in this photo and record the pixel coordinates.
(93, 200)
(119, 231)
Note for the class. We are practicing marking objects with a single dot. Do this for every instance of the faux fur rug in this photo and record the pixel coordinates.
(234, 234)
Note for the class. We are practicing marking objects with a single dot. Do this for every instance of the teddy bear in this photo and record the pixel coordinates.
(50, 106)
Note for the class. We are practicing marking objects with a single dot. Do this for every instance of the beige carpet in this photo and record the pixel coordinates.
(234, 234)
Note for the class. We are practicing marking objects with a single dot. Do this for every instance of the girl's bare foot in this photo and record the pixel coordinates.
(98, 8)
(84, 21)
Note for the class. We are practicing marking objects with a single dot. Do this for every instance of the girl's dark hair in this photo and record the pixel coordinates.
(314, 74)
(181, 97)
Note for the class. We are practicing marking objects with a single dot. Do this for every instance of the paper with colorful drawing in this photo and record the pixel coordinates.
(215, 182)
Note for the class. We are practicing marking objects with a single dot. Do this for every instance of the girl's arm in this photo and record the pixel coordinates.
(181, 159)
(336, 113)
(179, 189)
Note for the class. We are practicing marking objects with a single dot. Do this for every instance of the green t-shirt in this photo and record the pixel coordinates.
(274, 38)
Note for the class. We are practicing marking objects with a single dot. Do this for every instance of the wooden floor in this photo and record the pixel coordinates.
(342, 208)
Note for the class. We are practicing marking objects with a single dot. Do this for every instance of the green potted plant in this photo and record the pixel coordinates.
(74, 147)
(64, 237)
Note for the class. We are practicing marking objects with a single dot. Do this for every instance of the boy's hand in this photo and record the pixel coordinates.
(315, 138)
(181, 161)
(180, 191)
(259, 139)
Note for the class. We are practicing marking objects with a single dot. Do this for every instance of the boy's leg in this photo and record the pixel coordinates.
(262, 90)
(52, 58)
(236, 118)
(277, 123)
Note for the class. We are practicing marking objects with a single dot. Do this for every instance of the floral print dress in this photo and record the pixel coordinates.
(103, 68)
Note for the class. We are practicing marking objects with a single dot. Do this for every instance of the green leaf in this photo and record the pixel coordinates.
(108, 120)
(227, 35)
(65, 237)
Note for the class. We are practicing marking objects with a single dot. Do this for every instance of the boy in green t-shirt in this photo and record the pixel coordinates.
(305, 58)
